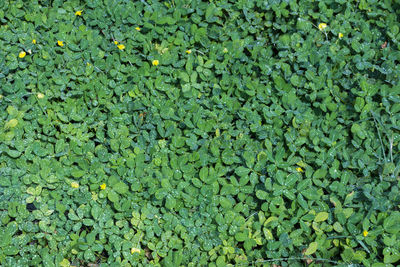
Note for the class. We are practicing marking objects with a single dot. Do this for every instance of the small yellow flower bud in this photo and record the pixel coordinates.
(138, 29)
(34, 41)
(155, 62)
(365, 233)
(95, 196)
(115, 42)
(121, 47)
(299, 169)
(22, 54)
(40, 95)
(74, 185)
(103, 186)
(188, 51)
(60, 43)
(322, 26)
(340, 35)
(135, 250)
(78, 13)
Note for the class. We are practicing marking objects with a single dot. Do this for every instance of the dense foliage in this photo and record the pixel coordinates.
(198, 133)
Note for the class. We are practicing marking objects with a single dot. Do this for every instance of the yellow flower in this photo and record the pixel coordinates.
(299, 169)
(138, 29)
(121, 47)
(103, 186)
(60, 43)
(340, 35)
(365, 233)
(135, 250)
(188, 51)
(78, 13)
(115, 42)
(40, 95)
(34, 41)
(322, 26)
(22, 54)
(155, 62)
(74, 185)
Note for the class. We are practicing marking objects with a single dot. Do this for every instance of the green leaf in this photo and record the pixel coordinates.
(78, 173)
(338, 227)
(242, 171)
(241, 236)
(72, 215)
(220, 262)
(65, 263)
(170, 202)
(392, 223)
(261, 194)
(10, 250)
(321, 216)
(120, 188)
(280, 177)
(320, 173)
(185, 77)
(225, 203)
(281, 84)
(96, 211)
(357, 129)
(88, 222)
(11, 124)
(359, 104)
(203, 174)
(391, 255)
(312, 248)
(13, 153)
(51, 179)
(113, 196)
(310, 194)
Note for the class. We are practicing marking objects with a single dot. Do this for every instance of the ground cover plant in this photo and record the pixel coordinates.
(199, 133)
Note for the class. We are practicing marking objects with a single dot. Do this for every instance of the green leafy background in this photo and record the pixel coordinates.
(272, 142)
